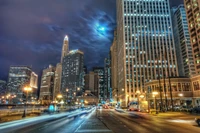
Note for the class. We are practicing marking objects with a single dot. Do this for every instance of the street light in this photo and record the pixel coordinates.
(180, 95)
(155, 102)
(27, 89)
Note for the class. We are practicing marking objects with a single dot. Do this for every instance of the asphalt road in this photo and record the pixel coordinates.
(113, 121)
(143, 123)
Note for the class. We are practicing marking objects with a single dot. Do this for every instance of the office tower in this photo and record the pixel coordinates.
(57, 80)
(113, 52)
(2, 87)
(19, 78)
(47, 85)
(107, 77)
(145, 45)
(91, 83)
(182, 42)
(84, 77)
(101, 91)
(192, 8)
(72, 73)
(65, 48)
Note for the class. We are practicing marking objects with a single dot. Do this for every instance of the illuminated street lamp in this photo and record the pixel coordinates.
(26, 89)
(59, 96)
(155, 102)
(180, 95)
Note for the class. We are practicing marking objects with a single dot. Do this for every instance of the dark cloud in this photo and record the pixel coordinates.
(32, 31)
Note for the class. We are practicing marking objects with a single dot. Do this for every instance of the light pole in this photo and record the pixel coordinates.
(180, 95)
(155, 102)
(138, 92)
(67, 95)
(27, 89)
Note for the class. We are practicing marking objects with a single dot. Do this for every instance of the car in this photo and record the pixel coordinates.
(197, 120)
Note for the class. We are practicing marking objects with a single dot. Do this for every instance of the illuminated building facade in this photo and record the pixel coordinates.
(101, 77)
(20, 77)
(3, 85)
(192, 8)
(145, 45)
(57, 80)
(92, 83)
(184, 91)
(72, 73)
(107, 71)
(182, 42)
(47, 85)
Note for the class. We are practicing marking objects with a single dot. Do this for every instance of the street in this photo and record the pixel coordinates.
(110, 120)
(143, 123)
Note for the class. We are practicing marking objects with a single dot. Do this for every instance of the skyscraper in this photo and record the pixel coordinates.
(47, 85)
(72, 73)
(65, 48)
(91, 83)
(113, 51)
(145, 45)
(57, 80)
(101, 77)
(107, 77)
(2, 87)
(20, 77)
(182, 42)
(193, 17)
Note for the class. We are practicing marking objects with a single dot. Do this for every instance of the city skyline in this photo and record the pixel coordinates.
(44, 50)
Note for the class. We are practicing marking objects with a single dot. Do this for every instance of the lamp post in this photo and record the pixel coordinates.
(180, 95)
(26, 89)
(155, 102)
(138, 92)
(67, 94)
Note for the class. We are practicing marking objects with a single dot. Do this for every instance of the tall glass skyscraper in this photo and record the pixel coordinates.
(72, 73)
(145, 45)
(182, 42)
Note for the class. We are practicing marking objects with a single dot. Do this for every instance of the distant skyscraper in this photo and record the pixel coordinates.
(57, 80)
(101, 91)
(91, 83)
(193, 18)
(72, 73)
(144, 36)
(2, 87)
(107, 78)
(20, 77)
(182, 42)
(65, 48)
(47, 85)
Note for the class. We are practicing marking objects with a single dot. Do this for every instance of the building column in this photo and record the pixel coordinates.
(194, 102)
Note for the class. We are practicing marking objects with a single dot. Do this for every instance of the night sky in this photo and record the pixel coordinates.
(32, 31)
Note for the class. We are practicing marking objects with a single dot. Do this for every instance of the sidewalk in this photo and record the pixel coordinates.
(93, 125)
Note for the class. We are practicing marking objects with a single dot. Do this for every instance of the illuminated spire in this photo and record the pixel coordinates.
(65, 48)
